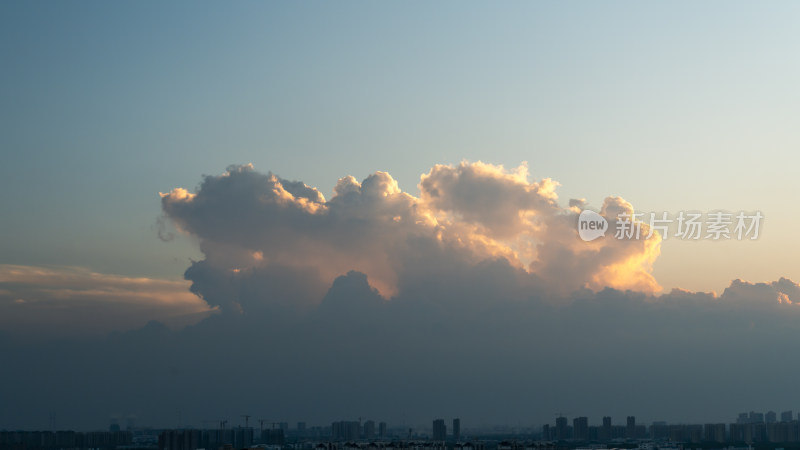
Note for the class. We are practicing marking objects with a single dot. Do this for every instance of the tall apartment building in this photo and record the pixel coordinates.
(345, 430)
(580, 428)
(369, 429)
(605, 432)
(439, 430)
(382, 429)
(714, 432)
(178, 440)
(562, 431)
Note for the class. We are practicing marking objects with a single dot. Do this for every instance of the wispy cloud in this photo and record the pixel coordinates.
(48, 301)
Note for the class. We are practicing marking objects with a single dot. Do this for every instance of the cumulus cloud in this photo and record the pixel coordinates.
(246, 219)
(504, 203)
(773, 294)
(49, 301)
(465, 214)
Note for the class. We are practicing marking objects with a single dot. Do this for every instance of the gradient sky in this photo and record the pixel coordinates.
(673, 106)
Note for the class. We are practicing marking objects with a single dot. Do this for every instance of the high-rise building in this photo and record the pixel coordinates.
(630, 429)
(382, 429)
(243, 438)
(369, 429)
(737, 431)
(771, 417)
(456, 429)
(274, 436)
(659, 430)
(439, 430)
(580, 428)
(778, 432)
(178, 440)
(786, 416)
(562, 431)
(605, 434)
(714, 432)
(345, 430)
(237, 437)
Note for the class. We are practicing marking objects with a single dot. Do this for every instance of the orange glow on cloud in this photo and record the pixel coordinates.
(484, 210)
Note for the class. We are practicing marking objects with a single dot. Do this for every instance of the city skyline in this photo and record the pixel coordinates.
(368, 427)
(582, 429)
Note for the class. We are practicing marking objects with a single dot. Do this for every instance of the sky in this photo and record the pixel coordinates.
(149, 150)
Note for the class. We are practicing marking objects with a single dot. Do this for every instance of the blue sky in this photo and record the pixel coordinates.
(671, 106)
